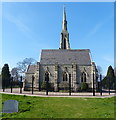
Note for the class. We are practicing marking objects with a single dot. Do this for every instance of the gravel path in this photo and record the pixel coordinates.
(16, 91)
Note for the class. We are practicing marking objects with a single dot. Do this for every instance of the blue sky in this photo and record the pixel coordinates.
(29, 27)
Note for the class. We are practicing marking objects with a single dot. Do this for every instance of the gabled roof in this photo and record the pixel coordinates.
(60, 56)
(31, 69)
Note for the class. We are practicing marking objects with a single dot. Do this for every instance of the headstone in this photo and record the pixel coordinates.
(10, 106)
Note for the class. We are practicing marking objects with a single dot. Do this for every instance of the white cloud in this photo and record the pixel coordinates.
(21, 25)
(17, 21)
(109, 59)
(98, 26)
(95, 29)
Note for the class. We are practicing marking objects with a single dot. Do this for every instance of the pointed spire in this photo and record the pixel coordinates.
(64, 41)
(64, 14)
(64, 22)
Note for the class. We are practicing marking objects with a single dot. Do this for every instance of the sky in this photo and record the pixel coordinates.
(27, 28)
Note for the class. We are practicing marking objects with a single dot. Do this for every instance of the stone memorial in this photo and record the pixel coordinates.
(10, 106)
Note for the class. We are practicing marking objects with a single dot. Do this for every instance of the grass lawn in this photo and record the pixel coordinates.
(57, 107)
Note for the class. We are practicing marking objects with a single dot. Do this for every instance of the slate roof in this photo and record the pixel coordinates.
(78, 56)
(31, 69)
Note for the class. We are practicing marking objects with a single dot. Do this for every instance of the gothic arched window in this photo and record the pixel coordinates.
(65, 76)
(46, 76)
(83, 77)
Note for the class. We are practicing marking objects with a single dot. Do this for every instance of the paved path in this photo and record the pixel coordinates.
(16, 91)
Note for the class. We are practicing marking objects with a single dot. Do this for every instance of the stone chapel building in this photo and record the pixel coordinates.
(62, 62)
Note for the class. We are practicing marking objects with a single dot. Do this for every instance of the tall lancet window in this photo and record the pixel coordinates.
(46, 76)
(65, 77)
(64, 43)
(83, 77)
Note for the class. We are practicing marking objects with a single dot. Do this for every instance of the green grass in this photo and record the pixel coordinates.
(57, 107)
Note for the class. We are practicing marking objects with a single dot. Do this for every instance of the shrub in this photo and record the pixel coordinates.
(64, 86)
(63, 91)
(50, 86)
(83, 86)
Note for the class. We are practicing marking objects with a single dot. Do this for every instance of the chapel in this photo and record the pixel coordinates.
(62, 64)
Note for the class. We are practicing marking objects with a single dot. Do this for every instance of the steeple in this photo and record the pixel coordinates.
(64, 42)
(64, 22)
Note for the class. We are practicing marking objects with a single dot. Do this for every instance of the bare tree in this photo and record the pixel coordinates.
(15, 73)
(22, 65)
(99, 69)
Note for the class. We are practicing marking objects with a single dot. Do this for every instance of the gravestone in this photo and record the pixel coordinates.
(10, 106)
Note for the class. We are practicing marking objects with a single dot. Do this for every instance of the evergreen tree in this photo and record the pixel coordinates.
(109, 80)
(5, 76)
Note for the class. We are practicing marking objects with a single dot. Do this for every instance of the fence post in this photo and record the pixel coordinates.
(11, 81)
(58, 86)
(46, 79)
(39, 85)
(21, 84)
(100, 84)
(69, 84)
(93, 85)
(3, 89)
(109, 84)
(3, 85)
(32, 82)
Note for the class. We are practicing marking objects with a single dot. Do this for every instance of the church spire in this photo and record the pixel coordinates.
(64, 22)
(64, 42)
